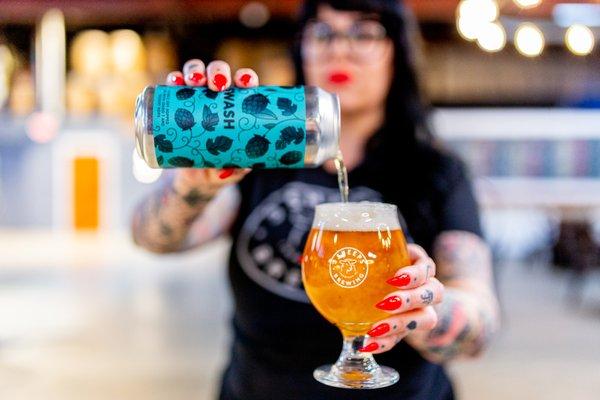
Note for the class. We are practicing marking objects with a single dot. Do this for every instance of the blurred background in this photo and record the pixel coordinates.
(515, 90)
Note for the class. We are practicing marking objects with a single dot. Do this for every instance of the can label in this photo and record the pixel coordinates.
(262, 127)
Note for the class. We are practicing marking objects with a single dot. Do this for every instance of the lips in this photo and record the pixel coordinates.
(339, 77)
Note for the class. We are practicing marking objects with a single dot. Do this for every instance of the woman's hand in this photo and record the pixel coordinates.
(217, 76)
(410, 306)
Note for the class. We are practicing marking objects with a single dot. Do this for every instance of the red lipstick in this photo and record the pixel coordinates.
(339, 77)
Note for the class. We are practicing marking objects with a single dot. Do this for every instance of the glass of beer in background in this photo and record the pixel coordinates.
(352, 249)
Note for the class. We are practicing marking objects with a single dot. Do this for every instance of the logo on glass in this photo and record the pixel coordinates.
(349, 267)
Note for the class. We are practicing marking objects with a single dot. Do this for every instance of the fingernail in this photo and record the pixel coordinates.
(368, 348)
(245, 79)
(176, 79)
(399, 281)
(220, 81)
(390, 304)
(195, 77)
(227, 172)
(379, 330)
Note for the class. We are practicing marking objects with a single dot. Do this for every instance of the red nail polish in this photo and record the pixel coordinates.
(245, 79)
(390, 304)
(399, 281)
(195, 77)
(220, 81)
(227, 172)
(379, 330)
(368, 348)
(177, 79)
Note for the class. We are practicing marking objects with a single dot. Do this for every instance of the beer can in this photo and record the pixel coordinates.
(260, 127)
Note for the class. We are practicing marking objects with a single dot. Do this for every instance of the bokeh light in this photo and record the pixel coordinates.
(529, 40)
(472, 16)
(127, 51)
(90, 53)
(486, 10)
(469, 28)
(42, 127)
(254, 14)
(580, 40)
(492, 37)
(528, 3)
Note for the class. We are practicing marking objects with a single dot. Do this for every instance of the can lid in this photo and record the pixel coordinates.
(139, 122)
(336, 118)
(329, 115)
(144, 138)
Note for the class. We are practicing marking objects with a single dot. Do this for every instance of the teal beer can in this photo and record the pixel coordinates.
(261, 127)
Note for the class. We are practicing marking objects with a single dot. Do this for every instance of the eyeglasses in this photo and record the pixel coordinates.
(365, 39)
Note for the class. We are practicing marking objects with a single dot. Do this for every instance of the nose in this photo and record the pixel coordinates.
(340, 47)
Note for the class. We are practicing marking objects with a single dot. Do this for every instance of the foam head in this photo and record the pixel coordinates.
(361, 216)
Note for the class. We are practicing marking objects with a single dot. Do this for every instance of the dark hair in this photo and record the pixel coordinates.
(405, 116)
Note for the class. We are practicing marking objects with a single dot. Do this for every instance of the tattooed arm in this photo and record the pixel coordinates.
(468, 316)
(180, 217)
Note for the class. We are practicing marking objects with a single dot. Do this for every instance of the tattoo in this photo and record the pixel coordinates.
(427, 296)
(459, 332)
(468, 315)
(150, 228)
(412, 325)
(462, 255)
(165, 229)
(194, 197)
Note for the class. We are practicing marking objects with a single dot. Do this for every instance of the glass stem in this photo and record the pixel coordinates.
(353, 361)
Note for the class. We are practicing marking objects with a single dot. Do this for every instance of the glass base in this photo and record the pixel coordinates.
(382, 377)
(356, 370)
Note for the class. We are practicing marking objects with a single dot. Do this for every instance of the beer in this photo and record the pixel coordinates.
(352, 249)
(342, 175)
(260, 127)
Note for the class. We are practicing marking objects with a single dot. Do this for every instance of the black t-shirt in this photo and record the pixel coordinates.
(279, 338)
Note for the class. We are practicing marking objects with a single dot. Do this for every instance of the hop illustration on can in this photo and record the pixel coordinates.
(261, 127)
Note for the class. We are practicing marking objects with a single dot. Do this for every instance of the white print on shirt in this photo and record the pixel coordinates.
(271, 240)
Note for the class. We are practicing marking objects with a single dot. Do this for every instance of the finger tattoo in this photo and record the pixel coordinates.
(427, 296)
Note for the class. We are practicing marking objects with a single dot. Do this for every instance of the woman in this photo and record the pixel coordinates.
(360, 50)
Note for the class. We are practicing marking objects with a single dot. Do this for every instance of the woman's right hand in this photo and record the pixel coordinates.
(217, 76)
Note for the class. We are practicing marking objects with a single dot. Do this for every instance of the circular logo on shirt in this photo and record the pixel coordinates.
(348, 267)
(272, 237)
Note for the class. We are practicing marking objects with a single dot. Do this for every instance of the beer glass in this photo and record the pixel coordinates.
(352, 249)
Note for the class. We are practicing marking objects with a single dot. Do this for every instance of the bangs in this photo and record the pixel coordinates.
(363, 6)
(384, 11)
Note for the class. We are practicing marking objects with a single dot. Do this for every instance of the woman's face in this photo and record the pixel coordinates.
(358, 65)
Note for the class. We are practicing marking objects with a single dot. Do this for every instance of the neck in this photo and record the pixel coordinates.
(358, 127)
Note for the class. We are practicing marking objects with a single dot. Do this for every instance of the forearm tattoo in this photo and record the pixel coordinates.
(162, 220)
(468, 314)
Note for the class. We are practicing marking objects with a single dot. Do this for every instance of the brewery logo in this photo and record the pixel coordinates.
(349, 267)
(272, 238)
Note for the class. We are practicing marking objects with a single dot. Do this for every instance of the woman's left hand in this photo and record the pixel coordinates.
(410, 306)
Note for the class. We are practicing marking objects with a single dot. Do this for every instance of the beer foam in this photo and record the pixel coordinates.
(361, 216)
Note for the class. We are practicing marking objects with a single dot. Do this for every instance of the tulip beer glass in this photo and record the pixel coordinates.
(352, 249)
